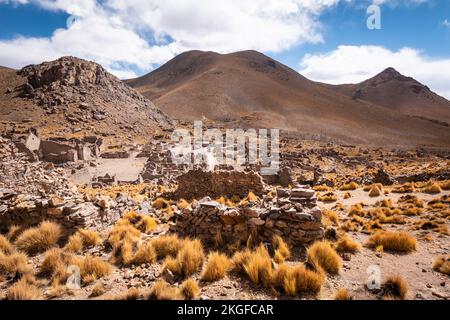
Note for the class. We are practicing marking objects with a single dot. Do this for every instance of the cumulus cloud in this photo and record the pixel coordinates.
(137, 35)
(353, 64)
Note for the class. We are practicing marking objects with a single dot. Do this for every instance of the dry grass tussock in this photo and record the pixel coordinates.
(188, 260)
(97, 290)
(434, 188)
(15, 264)
(83, 239)
(190, 289)
(257, 265)
(442, 265)
(349, 186)
(282, 251)
(392, 241)
(328, 197)
(297, 280)
(216, 267)
(92, 268)
(5, 246)
(167, 245)
(321, 255)
(395, 287)
(342, 294)
(345, 244)
(39, 239)
(162, 290)
(23, 290)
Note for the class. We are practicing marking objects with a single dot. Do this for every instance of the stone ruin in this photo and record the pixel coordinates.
(293, 214)
(197, 184)
(56, 150)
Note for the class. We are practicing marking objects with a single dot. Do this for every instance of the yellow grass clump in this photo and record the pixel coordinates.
(97, 290)
(183, 204)
(395, 287)
(55, 265)
(92, 268)
(282, 251)
(345, 244)
(15, 264)
(349, 186)
(347, 195)
(257, 265)
(167, 245)
(129, 295)
(331, 216)
(141, 222)
(145, 254)
(322, 188)
(39, 239)
(298, 280)
(322, 255)
(375, 192)
(445, 185)
(442, 264)
(188, 260)
(189, 289)
(162, 290)
(406, 188)
(342, 294)
(22, 290)
(217, 266)
(328, 197)
(393, 241)
(5, 246)
(434, 188)
(161, 203)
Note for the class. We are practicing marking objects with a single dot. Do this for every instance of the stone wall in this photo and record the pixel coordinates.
(197, 184)
(292, 214)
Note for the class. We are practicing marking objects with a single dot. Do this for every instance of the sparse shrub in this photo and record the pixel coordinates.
(393, 241)
(342, 294)
(442, 264)
(282, 251)
(347, 244)
(162, 290)
(395, 287)
(349, 186)
(39, 239)
(216, 267)
(189, 289)
(22, 290)
(322, 255)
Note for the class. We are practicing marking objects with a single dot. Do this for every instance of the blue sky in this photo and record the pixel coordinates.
(325, 40)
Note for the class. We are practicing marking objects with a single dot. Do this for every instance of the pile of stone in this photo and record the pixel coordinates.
(292, 214)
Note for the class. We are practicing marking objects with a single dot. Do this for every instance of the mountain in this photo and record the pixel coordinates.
(399, 93)
(71, 97)
(249, 89)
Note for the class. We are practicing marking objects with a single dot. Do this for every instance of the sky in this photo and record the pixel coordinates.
(325, 40)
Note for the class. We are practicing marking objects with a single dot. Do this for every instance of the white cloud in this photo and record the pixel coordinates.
(353, 64)
(126, 36)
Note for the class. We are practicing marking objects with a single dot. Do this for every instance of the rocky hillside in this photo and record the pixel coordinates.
(72, 96)
(250, 89)
(399, 93)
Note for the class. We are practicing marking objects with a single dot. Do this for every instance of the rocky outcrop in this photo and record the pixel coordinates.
(292, 214)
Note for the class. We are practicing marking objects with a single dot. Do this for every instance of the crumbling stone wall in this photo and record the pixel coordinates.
(197, 184)
(292, 214)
